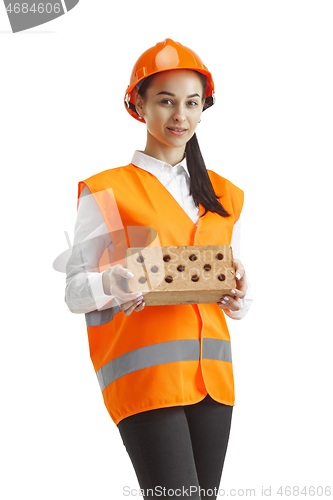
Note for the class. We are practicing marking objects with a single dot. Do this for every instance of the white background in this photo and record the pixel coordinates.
(270, 132)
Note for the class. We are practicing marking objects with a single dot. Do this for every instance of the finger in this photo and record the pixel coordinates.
(118, 269)
(118, 281)
(140, 306)
(240, 275)
(242, 287)
(224, 302)
(230, 303)
(129, 307)
(125, 304)
(117, 285)
(239, 269)
(123, 297)
(240, 291)
(128, 274)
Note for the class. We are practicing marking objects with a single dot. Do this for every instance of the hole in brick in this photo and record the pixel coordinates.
(142, 279)
(221, 277)
(195, 277)
(166, 258)
(181, 268)
(207, 267)
(193, 257)
(169, 279)
(154, 269)
(219, 256)
(140, 259)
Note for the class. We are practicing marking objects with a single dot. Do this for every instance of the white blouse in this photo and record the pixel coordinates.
(84, 289)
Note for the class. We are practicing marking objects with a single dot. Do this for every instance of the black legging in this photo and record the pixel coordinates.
(177, 447)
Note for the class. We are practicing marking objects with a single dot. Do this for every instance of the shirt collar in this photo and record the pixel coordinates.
(153, 165)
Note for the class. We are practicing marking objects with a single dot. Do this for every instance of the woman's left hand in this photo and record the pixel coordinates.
(234, 303)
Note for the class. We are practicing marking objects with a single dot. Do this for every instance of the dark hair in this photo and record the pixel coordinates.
(201, 188)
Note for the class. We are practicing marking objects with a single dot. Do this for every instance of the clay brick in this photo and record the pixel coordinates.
(181, 275)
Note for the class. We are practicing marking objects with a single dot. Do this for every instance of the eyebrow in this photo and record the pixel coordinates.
(173, 95)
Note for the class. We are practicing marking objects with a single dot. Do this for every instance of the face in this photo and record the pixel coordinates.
(172, 107)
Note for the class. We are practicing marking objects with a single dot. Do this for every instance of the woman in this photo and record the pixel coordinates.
(166, 371)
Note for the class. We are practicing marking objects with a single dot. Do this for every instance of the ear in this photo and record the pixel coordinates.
(139, 104)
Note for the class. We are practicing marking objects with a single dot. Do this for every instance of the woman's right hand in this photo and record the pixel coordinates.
(113, 285)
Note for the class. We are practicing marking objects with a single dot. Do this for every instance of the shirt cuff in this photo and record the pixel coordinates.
(96, 285)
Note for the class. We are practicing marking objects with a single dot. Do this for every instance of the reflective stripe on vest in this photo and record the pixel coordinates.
(99, 318)
(163, 352)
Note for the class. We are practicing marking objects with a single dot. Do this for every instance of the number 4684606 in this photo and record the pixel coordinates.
(36, 8)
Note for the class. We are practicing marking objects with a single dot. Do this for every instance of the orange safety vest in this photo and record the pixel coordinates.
(163, 355)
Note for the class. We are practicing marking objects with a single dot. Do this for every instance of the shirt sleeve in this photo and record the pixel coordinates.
(248, 299)
(84, 289)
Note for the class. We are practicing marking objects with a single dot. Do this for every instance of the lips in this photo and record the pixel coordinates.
(177, 130)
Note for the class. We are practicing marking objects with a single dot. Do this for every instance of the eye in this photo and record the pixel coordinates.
(166, 101)
(192, 103)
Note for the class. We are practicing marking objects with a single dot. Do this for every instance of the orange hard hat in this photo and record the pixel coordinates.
(164, 56)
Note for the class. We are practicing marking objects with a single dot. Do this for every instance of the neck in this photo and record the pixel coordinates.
(165, 153)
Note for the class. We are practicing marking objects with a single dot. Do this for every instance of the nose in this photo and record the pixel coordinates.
(179, 114)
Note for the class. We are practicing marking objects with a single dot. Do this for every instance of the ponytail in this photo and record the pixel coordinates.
(201, 187)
